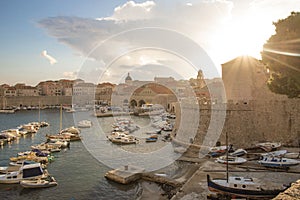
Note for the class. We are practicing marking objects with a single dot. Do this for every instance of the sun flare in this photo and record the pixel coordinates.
(241, 37)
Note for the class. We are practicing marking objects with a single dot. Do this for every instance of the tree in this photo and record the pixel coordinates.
(281, 53)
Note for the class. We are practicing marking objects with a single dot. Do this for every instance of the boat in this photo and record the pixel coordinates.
(217, 151)
(238, 152)
(151, 139)
(120, 138)
(236, 186)
(292, 155)
(241, 187)
(70, 110)
(278, 162)
(26, 171)
(231, 160)
(59, 143)
(269, 146)
(275, 153)
(84, 124)
(157, 131)
(7, 111)
(39, 183)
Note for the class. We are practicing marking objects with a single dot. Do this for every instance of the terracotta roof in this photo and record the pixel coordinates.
(156, 88)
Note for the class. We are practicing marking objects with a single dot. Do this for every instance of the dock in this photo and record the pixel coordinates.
(128, 174)
(125, 174)
(112, 114)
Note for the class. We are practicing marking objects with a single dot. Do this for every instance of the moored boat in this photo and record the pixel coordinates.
(275, 153)
(238, 152)
(269, 146)
(231, 160)
(241, 187)
(28, 171)
(84, 124)
(39, 183)
(278, 162)
(120, 138)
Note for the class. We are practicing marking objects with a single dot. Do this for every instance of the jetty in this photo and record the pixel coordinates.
(125, 174)
(112, 114)
(128, 174)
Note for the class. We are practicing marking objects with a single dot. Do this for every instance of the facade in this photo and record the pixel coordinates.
(84, 93)
(10, 92)
(152, 93)
(50, 88)
(24, 90)
(103, 93)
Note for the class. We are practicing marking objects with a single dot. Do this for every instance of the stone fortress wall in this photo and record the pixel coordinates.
(257, 121)
(21, 101)
(253, 113)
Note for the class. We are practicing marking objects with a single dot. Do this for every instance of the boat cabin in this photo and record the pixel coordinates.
(243, 183)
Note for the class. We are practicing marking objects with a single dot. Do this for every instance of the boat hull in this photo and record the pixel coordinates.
(241, 192)
(33, 184)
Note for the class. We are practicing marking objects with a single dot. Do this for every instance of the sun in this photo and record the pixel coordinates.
(245, 36)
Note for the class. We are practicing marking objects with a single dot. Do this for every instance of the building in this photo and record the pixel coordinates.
(103, 93)
(24, 90)
(152, 93)
(83, 93)
(245, 79)
(50, 88)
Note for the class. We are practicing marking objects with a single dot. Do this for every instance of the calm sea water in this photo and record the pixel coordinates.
(79, 175)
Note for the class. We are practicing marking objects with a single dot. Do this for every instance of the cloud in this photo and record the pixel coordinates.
(130, 10)
(83, 34)
(48, 57)
(204, 22)
(70, 75)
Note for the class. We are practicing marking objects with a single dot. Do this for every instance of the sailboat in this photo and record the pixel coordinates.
(69, 134)
(238, 186)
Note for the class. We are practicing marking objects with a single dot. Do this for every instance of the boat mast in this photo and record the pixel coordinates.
(39, 112)
(60, 119)
(227, 157)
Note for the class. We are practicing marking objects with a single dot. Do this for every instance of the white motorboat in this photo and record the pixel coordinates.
(269, 146)
(84, 124)
(278, 162)
(39, 183)
(275, 153)
(231, 160)
(238, 152)
(120, 138)
(26, 171)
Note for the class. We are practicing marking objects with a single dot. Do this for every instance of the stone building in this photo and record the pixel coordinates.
(152, 93)
(245, 79)
(103, 93)
(50, 88)
(252, 112)
(83, 94)
(24, 90)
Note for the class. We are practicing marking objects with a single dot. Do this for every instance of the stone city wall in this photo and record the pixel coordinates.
(22, 101)
(246, 123)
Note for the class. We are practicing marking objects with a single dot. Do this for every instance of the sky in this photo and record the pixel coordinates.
(100, 40)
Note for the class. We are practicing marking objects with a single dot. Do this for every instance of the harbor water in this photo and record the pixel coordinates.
(78, 173)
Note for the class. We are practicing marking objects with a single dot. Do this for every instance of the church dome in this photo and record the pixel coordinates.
(128, 78)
